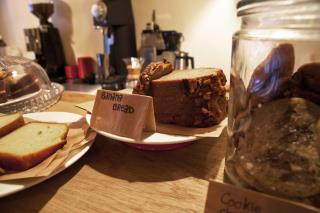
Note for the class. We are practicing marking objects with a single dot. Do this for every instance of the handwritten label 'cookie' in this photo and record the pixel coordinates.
(126, 115)
(225, 198)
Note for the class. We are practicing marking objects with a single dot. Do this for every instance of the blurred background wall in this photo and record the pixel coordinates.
(207, 26)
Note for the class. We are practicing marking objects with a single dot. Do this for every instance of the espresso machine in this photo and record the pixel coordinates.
(158, 44)
(115, 21)
(45, 41)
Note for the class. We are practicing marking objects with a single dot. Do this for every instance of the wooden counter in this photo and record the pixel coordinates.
(113, 177)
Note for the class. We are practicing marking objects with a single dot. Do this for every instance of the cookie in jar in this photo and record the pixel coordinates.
(274, 108)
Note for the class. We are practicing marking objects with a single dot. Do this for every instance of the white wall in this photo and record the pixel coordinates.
(79, 37)
(207, 26)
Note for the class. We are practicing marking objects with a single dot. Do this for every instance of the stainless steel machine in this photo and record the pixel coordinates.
(157, 44)
(116, 22)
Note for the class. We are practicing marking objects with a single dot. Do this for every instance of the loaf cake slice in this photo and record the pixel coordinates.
(195, 98)
(22, 84)
(8, 123)
(31, 144)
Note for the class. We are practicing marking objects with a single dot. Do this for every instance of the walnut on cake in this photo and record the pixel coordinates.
(153, 71)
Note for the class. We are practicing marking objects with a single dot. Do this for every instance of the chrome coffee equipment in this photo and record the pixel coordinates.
(45, 40)
(115, 20)
(157, 44)
(182, 61)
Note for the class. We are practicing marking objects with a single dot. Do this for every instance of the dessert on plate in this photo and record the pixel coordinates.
(193, 98)
(24, 146)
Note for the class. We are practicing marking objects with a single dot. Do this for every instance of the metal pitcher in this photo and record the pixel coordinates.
(182, 61)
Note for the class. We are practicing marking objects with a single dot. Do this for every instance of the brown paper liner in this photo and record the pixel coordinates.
(78, 136)
(214, 131)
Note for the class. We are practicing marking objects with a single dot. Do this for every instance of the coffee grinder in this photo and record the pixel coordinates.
(45, 41)
(115, 20)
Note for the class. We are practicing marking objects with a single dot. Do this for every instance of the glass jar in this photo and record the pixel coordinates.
(274, 108)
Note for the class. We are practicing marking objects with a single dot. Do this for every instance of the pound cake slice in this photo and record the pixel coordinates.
(8, 123)
(194, 98)
(31, 144)
(22, 84)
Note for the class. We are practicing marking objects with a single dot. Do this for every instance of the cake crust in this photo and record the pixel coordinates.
(12, 126)
(12, 162)
(192, 102)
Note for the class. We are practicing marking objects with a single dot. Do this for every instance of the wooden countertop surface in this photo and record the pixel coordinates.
(112, 177)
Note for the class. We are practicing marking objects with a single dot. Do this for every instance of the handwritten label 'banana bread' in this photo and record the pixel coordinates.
(126, 115)
(111, 96)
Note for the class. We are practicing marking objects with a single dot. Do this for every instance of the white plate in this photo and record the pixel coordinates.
(10, 187)
(148, 138)
(57, 117)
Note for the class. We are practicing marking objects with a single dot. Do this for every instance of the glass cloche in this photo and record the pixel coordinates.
(25, 86)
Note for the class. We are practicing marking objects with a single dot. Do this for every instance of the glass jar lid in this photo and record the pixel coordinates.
(287, 19)
(245, 3)
(25, 86)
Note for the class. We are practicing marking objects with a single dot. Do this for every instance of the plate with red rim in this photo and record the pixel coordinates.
(13, 186)
(151, 140)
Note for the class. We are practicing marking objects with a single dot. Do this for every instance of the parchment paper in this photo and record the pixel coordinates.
(78, 135)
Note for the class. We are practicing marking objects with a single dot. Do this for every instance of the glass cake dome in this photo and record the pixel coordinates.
(25, 86)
